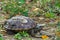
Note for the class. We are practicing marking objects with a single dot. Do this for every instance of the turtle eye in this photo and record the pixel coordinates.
(13, 25)
(6, 23)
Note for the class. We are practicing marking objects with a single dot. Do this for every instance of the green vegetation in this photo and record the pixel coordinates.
(58, 26)
(1, 37)
(50, 15)
(20, 35)
(58, 38)
(13, 7)
(20, 7)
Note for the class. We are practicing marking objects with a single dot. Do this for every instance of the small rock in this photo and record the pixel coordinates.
(41, 24)
(41, 18)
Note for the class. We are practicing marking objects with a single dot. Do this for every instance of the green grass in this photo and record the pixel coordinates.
(20, 35)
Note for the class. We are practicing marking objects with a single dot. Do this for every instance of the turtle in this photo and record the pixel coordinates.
(22, 23)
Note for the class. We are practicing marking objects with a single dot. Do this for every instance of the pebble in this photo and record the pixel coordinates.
(41, 18)
(41, 24)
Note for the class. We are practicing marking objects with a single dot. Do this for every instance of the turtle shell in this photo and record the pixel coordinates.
(19, 23)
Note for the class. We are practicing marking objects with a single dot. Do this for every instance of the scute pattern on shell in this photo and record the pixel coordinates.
(19, 23)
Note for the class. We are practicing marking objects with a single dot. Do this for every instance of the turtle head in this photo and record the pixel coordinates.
(40, 26)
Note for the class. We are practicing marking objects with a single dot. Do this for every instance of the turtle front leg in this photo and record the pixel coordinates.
(35, 33)
(11, 32)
